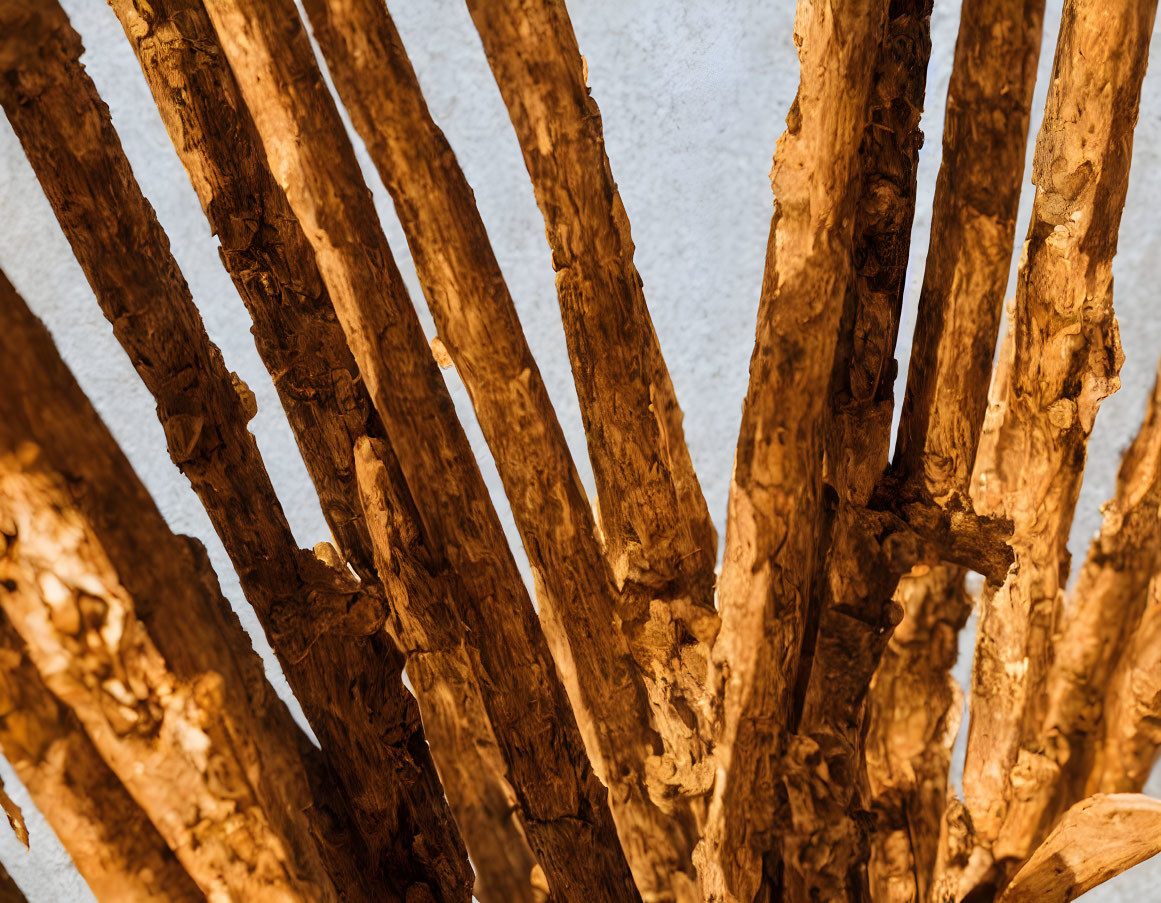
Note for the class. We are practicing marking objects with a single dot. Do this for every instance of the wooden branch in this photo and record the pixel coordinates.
(567, 815)
(776, 510)
(10, 891)
(350, 686)
(351, 690)
(1065, 357)
(825, 849)
(913, 715)
(581, 608)
(127, 626)
(106, 834)
(1096, 840)
(657, 528)
(441, 668)
(973, 225)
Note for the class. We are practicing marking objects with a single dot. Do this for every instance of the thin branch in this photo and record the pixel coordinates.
(567, 815)
(127, 626)
(581, 608)
(71, 143)
(1065, 357)
(654, 519)
(106, 834)
(776, 515)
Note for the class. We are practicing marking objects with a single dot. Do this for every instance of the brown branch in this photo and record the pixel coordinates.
(913, 715)
(566, 810)
(1064, 359)
(350, 686)
(655, 522)
(109, 839)
(481, 330)
(973, 226)
(776, 509)
(127, 626)
(824, 850)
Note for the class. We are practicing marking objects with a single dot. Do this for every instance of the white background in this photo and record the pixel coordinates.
(693, 95)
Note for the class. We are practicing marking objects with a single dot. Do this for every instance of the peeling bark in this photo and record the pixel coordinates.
(776, 515)
(106, 834)
(1065, 357)
(565, 807)
(481, 331)
(350, 686)
(658, 534)
(127, 626)
(913, 715)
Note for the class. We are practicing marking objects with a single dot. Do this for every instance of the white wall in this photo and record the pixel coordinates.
(693, 96)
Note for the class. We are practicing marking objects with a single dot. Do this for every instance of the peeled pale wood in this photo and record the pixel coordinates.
(1097, 839)
(580, 605)
(1065, 357)
(424, 620)
(350, 686)
(973, 225)
(126, 625)
(825, 850)
(776, 512)
(106, 834)
(565, 807)
(913, 715)
(656, 526)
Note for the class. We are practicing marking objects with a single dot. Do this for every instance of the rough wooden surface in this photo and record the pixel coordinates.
(776, 513)
(350, 686)
(973, 227)
(1064, 359)
(481, 330)
(127, 626)
(564, 805)
(657, 531)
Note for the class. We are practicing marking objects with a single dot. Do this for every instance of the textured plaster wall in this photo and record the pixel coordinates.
(693, 95)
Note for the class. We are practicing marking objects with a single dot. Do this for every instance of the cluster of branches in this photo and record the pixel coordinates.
(654, 730)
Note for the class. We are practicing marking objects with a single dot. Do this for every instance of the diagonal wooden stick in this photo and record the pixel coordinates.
(566, 809)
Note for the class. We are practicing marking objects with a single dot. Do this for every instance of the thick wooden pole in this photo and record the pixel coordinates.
(565, 808)
(350, 686)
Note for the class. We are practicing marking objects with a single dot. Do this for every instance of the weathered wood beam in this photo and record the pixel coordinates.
(1065, 355)
(657, 528)
(582, 609)
(825, 849)
(776, 515)
(913, 715)
(350, 686)
(565, 808)
(106, 834)
(126, 625)
(973, 227)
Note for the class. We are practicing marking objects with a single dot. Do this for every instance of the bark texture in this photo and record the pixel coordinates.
(658, 534)
(481, 330)
(776, 509)
(350, 686)
(565, 808)
(126, 625)
(1065, 354)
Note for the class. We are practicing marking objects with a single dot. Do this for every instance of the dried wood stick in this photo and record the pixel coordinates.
(566, 809)
(350, 686)
(657, 528)
(776, 512)
(106, 834)
(913, 715)
(824, 850)
(1096, 840)
(581, 608)
(126, 625)
(1065, 357)
(973, 226)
